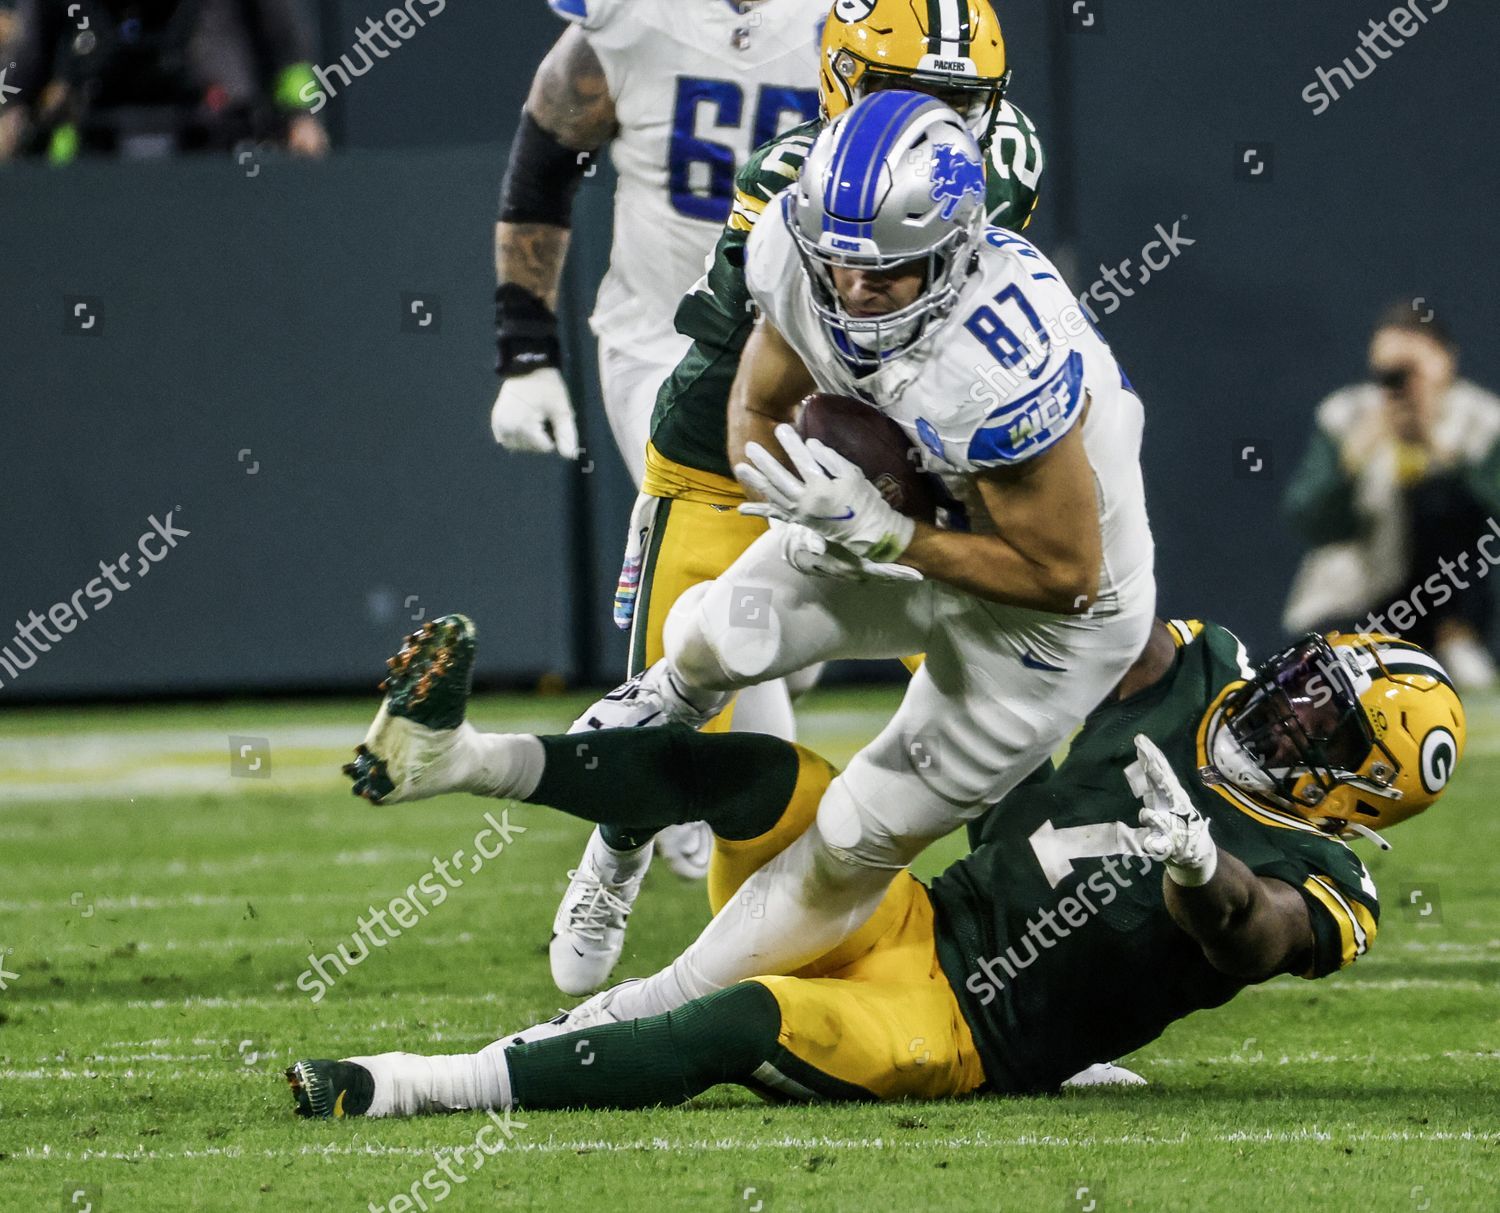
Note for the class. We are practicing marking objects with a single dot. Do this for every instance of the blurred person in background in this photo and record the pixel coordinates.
(147, 78)
(1398, 488)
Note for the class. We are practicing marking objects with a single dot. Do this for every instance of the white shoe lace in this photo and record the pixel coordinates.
(598, 907)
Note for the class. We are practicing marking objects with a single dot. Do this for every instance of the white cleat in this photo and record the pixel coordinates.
(1105, 1074)
(588, 933)
(686, 849)
(651, 699)
(545, 1030)
(591, 1013)
(597, 1011)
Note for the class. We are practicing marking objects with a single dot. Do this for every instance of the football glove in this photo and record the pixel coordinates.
(827, 494)
(1176, 833)
(808, 552)
(533, 413)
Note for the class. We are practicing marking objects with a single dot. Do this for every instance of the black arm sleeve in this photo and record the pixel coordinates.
(541, 178)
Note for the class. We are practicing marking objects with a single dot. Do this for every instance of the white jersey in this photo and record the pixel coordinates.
(1005, 377)
(697, 86)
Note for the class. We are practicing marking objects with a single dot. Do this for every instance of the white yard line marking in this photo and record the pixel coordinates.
(200, 901)
(227, 1063)
(788, 1142)
(438, 1000)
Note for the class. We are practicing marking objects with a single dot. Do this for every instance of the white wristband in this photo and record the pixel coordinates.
(1198, 874)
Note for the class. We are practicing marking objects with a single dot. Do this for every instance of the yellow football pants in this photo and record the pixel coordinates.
(877, 1013)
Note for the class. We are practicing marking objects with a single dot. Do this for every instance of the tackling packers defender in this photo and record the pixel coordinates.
(1189, 846)
(685, 529)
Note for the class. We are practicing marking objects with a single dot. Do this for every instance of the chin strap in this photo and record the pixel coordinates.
(1355, 828)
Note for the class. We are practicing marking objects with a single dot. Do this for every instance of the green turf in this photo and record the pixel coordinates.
(157, 913)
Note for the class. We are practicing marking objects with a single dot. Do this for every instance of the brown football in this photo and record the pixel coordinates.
(874, 443)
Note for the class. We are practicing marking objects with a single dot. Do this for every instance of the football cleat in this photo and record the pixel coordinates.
(686, 849)
(588, 932)
(331, 1090)
(420, 726)
(538, 1032)
(597, 1011)
(653, 698)
(1105, 1074)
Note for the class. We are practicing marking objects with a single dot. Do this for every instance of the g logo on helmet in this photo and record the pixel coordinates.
(850, 11)
(1439, 756)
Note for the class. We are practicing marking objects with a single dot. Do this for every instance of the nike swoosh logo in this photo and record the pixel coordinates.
(338, 1105)
(1032, 662)
(844, 517)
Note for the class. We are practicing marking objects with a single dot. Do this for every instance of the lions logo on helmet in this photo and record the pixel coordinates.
(896, 180)
(950, 49)
(1341, 732)
(954, 177)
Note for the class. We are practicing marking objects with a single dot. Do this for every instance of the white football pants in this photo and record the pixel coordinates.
(1001, 689)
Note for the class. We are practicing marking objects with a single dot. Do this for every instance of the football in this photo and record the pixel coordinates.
(874, 443)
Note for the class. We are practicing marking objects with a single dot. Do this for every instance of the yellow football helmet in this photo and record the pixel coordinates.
(952, 49)
(1347, 731)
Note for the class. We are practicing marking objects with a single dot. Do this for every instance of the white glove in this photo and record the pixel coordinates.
(828, 494)
(533, 413)
(1176, 833)
(809, 552)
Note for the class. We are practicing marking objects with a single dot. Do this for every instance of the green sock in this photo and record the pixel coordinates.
(635, 781)
(645, 1063)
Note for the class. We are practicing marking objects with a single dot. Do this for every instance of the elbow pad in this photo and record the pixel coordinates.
(541, 178)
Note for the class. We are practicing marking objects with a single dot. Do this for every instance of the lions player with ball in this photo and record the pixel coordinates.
(878, 278)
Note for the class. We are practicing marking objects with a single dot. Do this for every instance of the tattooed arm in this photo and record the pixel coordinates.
(570, 101)
(568, 115)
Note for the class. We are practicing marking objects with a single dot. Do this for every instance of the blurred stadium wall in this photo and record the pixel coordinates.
(255, 363)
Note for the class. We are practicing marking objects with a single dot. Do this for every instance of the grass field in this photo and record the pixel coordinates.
(156, 912)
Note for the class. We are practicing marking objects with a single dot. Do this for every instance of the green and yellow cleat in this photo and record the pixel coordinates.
(331, 1090)
(420, 724)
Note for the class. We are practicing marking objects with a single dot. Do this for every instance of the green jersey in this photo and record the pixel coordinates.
(688, 425)
(1054, 932)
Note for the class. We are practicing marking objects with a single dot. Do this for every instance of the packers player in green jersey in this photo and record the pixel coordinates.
(685, 529)
(1190, 845)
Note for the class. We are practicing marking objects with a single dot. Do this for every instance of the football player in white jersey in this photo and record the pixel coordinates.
(879, 278)
(683, 91)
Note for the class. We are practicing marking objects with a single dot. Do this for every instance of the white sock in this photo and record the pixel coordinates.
(507, 766)
(408, 1084)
